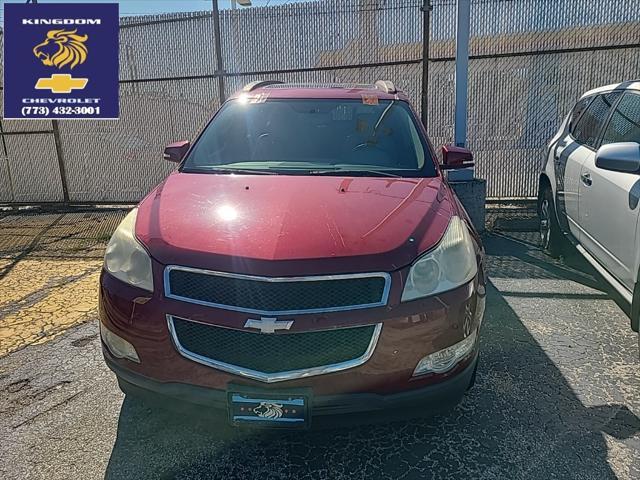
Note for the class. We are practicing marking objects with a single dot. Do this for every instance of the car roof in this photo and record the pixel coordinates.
(630, 85)
(380, 90)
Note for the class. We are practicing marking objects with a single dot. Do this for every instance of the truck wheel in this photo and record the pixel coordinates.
(550, 234)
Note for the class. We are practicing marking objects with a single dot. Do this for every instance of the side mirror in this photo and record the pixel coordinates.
(454, 158)
(619, 157)
(175, 152)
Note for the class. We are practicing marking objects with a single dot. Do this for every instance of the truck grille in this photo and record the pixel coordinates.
(277, 296)
(274, 357)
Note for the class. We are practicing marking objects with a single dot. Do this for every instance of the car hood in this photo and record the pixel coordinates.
(293, 225)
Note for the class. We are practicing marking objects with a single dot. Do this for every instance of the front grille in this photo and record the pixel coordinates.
(277, 295)
(272, 353)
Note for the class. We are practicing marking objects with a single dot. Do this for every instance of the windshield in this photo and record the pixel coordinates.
(313, 136)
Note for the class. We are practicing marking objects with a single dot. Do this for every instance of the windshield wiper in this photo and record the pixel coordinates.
(285, 171)
(354, 172)
(231, 170)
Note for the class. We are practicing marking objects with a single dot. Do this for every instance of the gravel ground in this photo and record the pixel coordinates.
(556, 397)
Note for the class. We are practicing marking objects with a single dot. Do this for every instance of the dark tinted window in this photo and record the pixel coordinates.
(577, 111)
(588, 127)
(624, 125)
(285, 135)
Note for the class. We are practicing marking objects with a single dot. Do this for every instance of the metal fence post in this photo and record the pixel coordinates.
(60, 155)
(462, 70)
(426, 38)
(218, 47)
(463, 20)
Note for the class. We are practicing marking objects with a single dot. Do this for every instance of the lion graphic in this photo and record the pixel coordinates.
(62, 47)
(268, 410)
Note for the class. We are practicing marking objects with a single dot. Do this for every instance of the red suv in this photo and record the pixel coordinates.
(306, 258)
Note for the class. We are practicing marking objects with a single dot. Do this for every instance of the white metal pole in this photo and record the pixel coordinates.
(463, 16)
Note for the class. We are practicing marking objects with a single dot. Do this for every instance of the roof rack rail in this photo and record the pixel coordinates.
(386, 86)
(260, 83)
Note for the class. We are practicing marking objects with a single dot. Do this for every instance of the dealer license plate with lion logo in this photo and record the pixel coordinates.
(260, 410)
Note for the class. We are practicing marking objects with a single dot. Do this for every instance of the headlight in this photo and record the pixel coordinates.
(125, 258)
(451, 264)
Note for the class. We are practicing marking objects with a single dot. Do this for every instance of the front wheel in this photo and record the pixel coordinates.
(550, 233)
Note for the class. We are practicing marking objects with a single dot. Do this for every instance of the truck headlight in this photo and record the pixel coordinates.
(125, 258)
(451, 264)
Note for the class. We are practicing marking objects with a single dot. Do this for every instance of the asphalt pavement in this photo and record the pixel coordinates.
(557, 397)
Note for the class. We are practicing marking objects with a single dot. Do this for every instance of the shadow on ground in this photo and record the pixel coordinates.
(55, 235)
(521, 420)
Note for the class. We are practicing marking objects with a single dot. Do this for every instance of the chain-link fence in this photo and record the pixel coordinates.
(530, 60)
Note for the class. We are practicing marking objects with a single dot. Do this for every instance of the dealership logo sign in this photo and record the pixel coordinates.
(58, 65)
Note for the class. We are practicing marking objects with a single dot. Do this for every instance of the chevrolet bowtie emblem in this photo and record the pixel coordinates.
(61, 83)
(268, 324)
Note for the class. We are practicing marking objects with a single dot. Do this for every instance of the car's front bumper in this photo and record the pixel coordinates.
(431, 397)
(409, 332)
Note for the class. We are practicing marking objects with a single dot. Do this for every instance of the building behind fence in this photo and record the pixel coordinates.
(530, 60)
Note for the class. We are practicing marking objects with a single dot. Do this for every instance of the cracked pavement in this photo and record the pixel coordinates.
(49, 269)
(556, 394)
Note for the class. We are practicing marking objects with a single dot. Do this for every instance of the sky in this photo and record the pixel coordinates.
(146, 7)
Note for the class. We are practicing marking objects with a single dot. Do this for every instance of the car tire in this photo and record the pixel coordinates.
(551, 237)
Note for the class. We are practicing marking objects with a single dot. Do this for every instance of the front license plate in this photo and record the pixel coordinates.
(271, 410)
